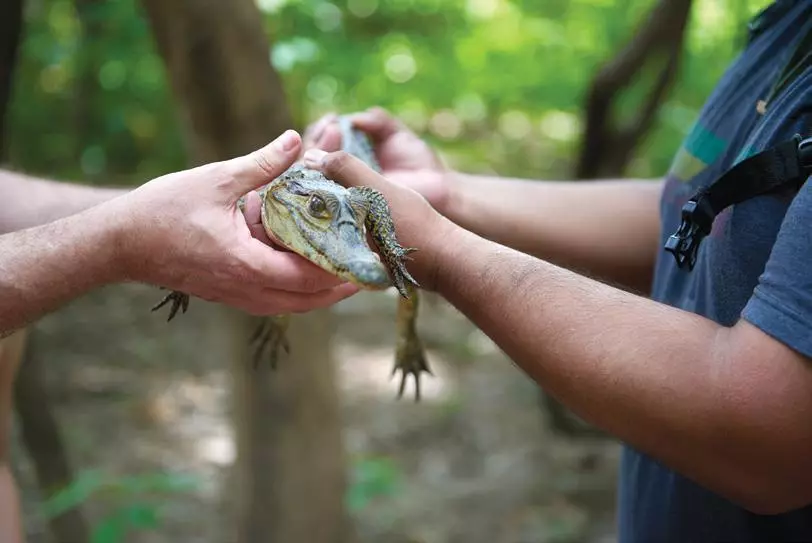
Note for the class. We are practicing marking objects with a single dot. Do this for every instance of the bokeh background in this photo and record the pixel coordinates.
(127, 425)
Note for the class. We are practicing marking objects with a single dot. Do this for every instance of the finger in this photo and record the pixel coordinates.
(313, 132)
(262, 166)
(286, 270)
(252, 208)
(330, 139)
(377, 123)
(345, 169)
(280, 301)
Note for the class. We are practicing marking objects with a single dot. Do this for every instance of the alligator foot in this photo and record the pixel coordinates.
(179, 301)
(270, 335)
(410, 359)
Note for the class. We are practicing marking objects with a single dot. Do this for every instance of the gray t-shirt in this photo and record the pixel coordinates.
(756, 264)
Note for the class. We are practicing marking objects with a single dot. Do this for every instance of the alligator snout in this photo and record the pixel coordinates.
(369, 274)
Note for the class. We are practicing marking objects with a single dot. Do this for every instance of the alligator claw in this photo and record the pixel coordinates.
(410, 359)
(179, 301)
(269, 336)
(401, 276)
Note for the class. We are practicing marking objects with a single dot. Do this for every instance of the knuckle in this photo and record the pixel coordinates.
(310, 284)
(337, 163)
(267, 163)
(380, 112)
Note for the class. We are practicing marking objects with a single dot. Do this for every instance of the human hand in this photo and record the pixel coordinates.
(403, 156)
(417, 224)
(184, 231)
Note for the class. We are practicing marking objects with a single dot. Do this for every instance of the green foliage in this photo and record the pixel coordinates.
(126, 498)
(495, 84)
(371, 478)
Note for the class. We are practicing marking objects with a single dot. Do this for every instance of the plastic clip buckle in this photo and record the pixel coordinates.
(696, 224)
(805, 154)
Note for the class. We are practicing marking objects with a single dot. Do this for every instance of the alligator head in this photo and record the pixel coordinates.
(324, 222)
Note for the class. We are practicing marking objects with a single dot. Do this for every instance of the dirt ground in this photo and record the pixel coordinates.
(475, 461)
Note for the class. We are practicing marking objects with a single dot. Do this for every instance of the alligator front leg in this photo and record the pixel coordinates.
(410, 357)
(270, 336)
(179, 301)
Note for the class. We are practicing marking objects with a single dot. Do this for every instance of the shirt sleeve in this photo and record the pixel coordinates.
(781, 304)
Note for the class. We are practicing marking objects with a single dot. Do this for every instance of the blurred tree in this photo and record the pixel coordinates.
(38, 426)
(608, 144)
(11, 25)
(290, 457)
(43, 441)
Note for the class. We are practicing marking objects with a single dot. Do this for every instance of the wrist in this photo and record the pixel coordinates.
(118, 243)
(439, 251)
(451, 204)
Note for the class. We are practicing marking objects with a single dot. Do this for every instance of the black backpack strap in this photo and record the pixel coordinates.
(786, 165)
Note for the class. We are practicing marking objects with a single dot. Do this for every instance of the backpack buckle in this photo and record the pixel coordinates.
(805, 154)
(697, 219)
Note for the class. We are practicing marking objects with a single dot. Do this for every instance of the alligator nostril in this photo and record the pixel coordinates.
(369, 273)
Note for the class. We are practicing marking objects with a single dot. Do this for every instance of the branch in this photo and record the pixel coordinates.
(663, 30)
(11, 24)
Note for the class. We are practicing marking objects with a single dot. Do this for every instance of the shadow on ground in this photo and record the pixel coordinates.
(475, 461)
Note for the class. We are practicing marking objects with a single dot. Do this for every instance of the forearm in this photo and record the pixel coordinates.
(45, 266)
(28, 201)
(672, 384)
(606, 229)
(11, 529)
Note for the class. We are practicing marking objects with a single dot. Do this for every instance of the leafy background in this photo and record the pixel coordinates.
(496, 86)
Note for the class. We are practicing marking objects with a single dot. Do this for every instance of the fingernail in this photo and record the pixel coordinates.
(313, 157)
(287, 141)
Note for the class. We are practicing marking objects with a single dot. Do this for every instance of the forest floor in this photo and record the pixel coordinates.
(475, 461)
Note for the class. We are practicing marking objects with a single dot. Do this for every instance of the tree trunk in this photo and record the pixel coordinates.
(38, 426)
(11, 25)
(40, 435)
(608, 146)
(290, 457)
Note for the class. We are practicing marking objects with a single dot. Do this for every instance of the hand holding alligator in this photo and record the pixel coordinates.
(416, 222)
(404, 157)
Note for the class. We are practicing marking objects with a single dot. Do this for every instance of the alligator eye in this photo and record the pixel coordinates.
(317, 206)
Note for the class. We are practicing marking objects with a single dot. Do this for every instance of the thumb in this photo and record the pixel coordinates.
(262, 166)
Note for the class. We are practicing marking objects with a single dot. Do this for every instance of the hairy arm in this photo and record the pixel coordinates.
(605, 229)
(728, 407)
(45, 266)
(29, 201)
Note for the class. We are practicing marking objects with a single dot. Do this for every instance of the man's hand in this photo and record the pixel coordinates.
(184, 231)
(403, 156)
(417, 224)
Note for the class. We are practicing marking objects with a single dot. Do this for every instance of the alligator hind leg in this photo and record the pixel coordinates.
(410, 357)
(179, 301)
(270, 335)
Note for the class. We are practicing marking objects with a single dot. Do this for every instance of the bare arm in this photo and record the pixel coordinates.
(11, 525)
(45, 266)
(606, 229)
(728, 407)
(182, 231)
(29, 201)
